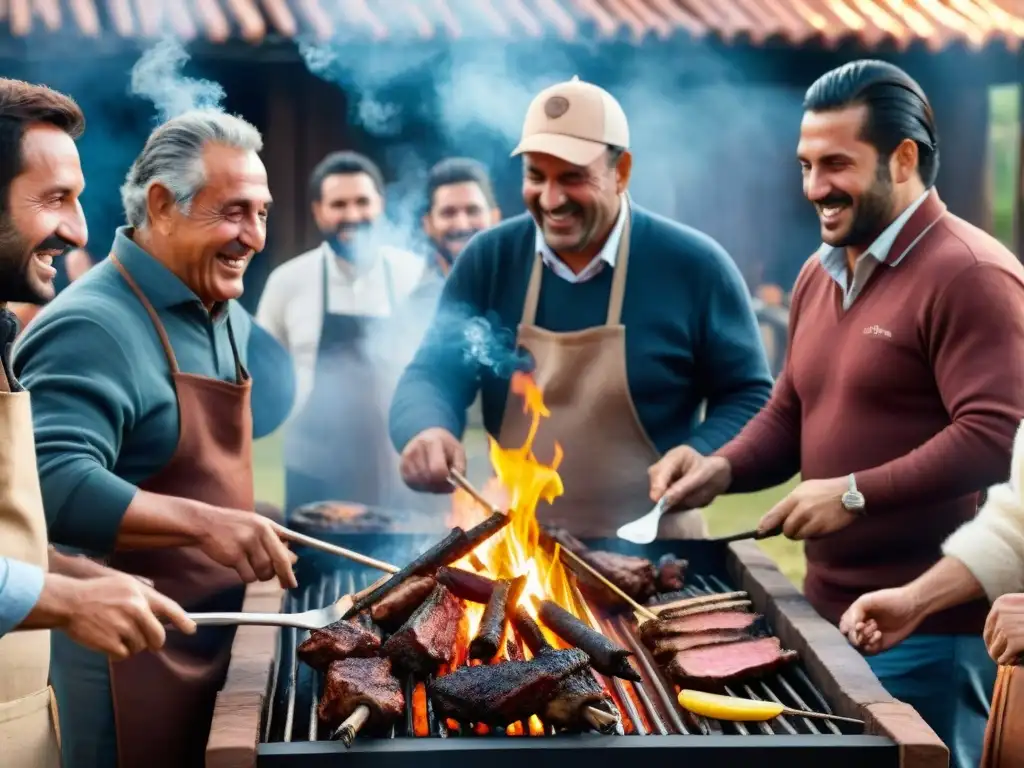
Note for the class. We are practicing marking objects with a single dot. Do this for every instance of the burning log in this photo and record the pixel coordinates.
(394, 609)
(467, 585)
(505, 693)
(357, 693)
(502, 602)
(579, 700)
(341, 640)
(606, 657)
(430, 636)
(456, 545)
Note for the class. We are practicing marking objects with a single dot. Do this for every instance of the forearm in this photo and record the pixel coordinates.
(153, 521)
(75, 566)
(946, 584)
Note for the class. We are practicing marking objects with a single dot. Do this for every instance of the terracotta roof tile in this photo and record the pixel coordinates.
(937, 23)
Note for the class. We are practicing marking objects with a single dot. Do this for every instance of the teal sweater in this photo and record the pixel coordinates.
(691, 334)
(103, 404)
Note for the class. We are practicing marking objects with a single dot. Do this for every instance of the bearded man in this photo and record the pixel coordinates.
(336, 310)
(901, 392)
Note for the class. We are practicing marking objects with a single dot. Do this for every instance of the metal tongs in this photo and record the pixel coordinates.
(645, 530)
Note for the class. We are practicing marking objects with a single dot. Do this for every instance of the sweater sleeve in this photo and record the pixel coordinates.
(83, 398)
(440, 383)
(975, 340)
(733, 367)
(992, 545)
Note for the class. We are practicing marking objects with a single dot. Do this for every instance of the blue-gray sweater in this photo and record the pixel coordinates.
(104, 410)
(691, 334)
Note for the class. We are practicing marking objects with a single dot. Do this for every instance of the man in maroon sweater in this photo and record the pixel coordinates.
(901, 394)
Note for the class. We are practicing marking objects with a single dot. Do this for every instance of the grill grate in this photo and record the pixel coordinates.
(649, 708)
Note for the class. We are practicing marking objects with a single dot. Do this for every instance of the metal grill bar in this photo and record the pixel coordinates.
(648, 708)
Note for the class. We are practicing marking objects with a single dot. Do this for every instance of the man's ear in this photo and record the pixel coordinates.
(160, 207)
(623, 170)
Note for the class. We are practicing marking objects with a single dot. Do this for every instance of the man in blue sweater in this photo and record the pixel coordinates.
(617, 399)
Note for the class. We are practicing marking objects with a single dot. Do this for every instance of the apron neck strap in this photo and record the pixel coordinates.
(618, 279)
(160, 330)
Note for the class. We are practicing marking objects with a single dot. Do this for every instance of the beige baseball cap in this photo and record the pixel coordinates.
(574, 121)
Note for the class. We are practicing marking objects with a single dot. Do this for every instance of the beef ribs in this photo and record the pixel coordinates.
(636, 576)
(673, 644)
(352, 682)
(671, 574)
(504, 693)
(395, 608)
(711, 621)
(341, 640)
(428, 639)
(717, 665)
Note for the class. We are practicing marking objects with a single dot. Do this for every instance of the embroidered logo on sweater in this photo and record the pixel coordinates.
(877, 330)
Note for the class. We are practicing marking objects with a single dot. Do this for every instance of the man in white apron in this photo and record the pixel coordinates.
(625, 363)
(98, 607)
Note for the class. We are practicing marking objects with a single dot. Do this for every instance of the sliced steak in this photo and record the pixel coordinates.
(672, 644)
(711, 621)
(717, 665)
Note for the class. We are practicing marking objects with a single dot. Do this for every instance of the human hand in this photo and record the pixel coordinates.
(117, 614)
(247, 542)
(1004, 629)
(688, 480)
(428, 459)
(879, 620)
(814, 508)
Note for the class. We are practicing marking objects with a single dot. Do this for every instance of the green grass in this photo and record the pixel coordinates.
(729, 514)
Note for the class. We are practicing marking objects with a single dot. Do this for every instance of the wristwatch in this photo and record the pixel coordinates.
(853, 500)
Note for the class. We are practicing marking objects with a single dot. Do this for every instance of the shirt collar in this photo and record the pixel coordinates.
(834, 259)
(608, 254)
(161, 287)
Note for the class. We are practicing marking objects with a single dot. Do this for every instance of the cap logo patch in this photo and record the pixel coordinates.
(556, 106)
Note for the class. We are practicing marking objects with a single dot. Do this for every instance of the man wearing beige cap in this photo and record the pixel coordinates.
(629, 323)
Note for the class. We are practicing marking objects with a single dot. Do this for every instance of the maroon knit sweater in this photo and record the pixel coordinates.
(918, 389)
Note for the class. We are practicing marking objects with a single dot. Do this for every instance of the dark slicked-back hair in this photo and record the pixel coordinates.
(21, 105)
(459, 170)
(897, 108)
(344, 163)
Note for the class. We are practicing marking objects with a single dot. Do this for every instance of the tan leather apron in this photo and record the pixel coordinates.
(1004, 736)
(582, 375)
(28, 715)
(163, 702)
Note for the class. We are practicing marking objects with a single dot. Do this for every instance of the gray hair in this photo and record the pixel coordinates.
(173, 157)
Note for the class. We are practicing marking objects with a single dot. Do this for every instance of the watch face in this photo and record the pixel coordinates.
(853, 500)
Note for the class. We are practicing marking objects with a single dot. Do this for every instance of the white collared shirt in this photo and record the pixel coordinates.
(291, 306)
(607, 255)
(834, 259)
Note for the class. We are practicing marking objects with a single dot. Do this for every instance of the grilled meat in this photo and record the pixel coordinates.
(636, 576)
(466, 584)
(666, 647)
(504, 693)
(717, 665)
(710, 621)
(352, 682)
(606, 657)
(428, 639)
(341, 640)
(395, 608)
(573, 694)
(671, 574)
(489, 637)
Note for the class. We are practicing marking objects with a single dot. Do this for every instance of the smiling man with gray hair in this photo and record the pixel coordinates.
(143, 423)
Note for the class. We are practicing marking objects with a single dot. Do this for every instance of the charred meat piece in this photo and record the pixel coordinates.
(396, 607)
(573, 694)
(671, 574)
(651, 631)
(428, 639)
(341, 640)
(636, 576)
(369, 682)
(489, 637)
(666, 647)
(605, 656)
(467, 585)
(717, 665)
(499, 694)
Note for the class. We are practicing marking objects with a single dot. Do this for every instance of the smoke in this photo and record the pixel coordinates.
(157, 76)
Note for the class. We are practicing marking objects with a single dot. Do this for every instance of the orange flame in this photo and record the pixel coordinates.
(519, 485)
